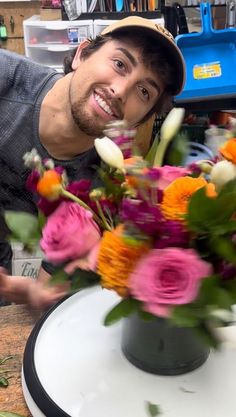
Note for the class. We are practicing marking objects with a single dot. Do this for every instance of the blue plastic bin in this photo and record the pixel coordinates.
(210, 57)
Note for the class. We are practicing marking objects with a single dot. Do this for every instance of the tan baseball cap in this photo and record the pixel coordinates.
(162, 36)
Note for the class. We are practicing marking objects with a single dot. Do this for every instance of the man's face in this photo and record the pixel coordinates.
(113, 83)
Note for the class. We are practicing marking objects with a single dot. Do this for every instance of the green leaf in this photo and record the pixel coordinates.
(207, 335)
(126, 307)
(224, 299)
(185, 315)
(205, 213)
(153, 409)
(230, 286)
(83, 279)
(59, 277)
(224, 248)
(42, 219)
(3, 382)
(177, 151)
(207, 294)
(112, 182)
(224, 228)
(145, 315)
(24, 226)
(9, 414)
(152, 151)
(5, 359)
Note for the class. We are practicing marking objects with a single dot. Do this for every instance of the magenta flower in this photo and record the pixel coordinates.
(169, 173)
(227, 271)
(80, 189)
(125, 145)
(167, 277)
(32, 181)
(48, 207)
(70, 233)
(172, 234)
(145, 217)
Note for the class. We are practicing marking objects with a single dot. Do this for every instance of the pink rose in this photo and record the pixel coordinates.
(70, 233)
(168, 277)
(169, 174)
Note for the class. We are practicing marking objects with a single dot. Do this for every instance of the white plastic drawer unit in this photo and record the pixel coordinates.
(48, 42)
(100, 24)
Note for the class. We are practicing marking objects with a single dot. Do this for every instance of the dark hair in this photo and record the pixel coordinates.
(154, 56)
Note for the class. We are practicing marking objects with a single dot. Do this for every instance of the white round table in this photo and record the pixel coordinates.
(73, 366)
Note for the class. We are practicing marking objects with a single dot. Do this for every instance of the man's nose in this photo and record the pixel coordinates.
(121, 89)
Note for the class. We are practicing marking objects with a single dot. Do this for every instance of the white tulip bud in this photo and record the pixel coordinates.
(109, 152)
(172, 123)
(221, 173)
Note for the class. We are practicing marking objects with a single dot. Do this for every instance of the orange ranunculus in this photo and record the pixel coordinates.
(211, 190)
(50, 185)
(117, 259)
(228, 150)
(176, 196)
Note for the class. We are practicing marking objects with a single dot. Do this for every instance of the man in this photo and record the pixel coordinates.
(131, 71)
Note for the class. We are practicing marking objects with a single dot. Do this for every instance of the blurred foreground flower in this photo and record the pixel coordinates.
(109, 152)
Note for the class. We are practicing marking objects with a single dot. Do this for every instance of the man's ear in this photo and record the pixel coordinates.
(77, 59)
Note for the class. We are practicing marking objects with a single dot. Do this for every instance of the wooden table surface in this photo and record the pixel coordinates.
(16, 323)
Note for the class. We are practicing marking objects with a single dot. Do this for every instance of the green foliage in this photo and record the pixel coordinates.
(224, 247)
(59, 276)
(112, 180)
(4, 373)
(3, 382)
(214, 294)
(79, 279)
(177, 150)
(24, 228)
(212, 215)
(207, 334)
(175, 154)
(9, 414)
(212, 220)
(42, 219)
(152, 151)
(124, 309)
(153, 409)
(83, 279)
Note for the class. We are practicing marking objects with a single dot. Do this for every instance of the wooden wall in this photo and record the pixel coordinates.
(19, 11)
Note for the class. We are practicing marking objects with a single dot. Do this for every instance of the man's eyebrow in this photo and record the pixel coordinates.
(129, 56)
(153, 84)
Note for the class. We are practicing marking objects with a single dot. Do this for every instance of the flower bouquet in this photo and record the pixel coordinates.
(163, 237)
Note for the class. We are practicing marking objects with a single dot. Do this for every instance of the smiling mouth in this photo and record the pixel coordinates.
(112, 109)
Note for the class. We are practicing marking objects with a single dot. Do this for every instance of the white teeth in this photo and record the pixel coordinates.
(103, 104)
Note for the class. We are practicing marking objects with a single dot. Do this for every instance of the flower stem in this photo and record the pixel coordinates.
(72, 197)
(101, 214)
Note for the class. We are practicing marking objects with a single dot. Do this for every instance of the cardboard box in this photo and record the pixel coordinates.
(50, 14)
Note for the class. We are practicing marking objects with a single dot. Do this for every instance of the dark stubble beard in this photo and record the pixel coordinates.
(86, 123)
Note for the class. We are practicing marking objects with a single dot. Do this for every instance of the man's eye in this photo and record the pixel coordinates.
(119, 64)
(144, 92)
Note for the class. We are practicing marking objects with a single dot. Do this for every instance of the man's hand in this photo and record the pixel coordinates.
(38, 293)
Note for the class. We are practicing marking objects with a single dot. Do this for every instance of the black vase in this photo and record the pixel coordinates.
(157, 347)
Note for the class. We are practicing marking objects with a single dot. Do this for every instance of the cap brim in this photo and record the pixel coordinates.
(174, 55)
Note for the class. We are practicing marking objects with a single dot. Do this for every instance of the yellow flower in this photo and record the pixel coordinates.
(176, 196)
(117, 259)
